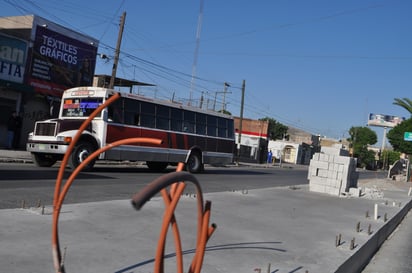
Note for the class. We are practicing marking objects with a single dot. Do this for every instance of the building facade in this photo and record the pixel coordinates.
(251, 140)
(38, 60)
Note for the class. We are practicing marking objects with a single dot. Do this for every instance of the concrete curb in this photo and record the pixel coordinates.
(360, 259)
(13, 156)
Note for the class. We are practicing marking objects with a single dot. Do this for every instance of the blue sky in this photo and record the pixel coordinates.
(317, 65)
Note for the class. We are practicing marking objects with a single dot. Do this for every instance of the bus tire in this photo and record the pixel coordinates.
(80, 152)
(156, 166)
(43, 160)
(194, 163)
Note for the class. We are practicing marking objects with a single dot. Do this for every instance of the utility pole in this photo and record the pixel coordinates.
(241, 120)
(117, 52)
(383, 147)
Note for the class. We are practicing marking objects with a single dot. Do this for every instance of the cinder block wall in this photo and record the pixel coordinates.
(332, 171)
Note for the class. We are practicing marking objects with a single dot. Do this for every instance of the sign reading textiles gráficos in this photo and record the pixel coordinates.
(58, 50)
(12, 58)
(60, 62)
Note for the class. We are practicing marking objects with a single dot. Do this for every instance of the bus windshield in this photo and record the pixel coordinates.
(80, 107)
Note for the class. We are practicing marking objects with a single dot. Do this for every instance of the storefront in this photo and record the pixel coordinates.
(13, 90)
(38, 61)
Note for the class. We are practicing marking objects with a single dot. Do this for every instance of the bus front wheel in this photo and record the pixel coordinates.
(80, 152)
(194, 163)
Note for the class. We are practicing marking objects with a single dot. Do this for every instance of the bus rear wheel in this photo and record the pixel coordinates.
(43, 160)
(194, 163)
(156, 166)
(80, 152)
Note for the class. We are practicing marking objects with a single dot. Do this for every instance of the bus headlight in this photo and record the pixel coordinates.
(65, 139)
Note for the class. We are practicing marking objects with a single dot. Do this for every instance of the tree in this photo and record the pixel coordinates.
(388, 158)
(396, 137)
(404, 103)
(360, 138)
(276, 129)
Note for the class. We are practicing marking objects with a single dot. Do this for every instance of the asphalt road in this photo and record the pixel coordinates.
(28, 184)
(25, 182)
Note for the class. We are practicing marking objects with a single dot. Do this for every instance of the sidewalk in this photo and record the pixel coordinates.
(15, 156)
(287, 229)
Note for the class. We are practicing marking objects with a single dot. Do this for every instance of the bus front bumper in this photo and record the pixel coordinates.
(47, 148)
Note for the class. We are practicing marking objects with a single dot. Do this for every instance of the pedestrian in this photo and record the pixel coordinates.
(85, 77)
(269, 160)
(13, 128)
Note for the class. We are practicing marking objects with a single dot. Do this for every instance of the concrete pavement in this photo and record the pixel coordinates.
(287, 229)
(395, 254)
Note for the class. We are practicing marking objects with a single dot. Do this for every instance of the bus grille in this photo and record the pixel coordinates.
(45, 129)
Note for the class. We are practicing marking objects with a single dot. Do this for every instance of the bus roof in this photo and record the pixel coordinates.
(87, 91)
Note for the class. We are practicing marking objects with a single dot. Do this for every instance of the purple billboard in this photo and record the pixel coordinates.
(59, 62)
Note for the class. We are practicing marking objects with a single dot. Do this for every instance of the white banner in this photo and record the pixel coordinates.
(384, 120)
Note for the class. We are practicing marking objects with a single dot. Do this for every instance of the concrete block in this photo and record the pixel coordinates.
(337, 145)
(332, 191)
(319, 164)
(346, 174)
(311, 168)
(315, 156)
(334, 166)
(322, 173)
(331, 182)
(318, 180)
(336, 151)
(342, 160)
(337, 183)
(316, 188)
(332, 174)
(324, 157)
(355, 192)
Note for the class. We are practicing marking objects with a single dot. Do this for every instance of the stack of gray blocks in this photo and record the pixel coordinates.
(332, 171)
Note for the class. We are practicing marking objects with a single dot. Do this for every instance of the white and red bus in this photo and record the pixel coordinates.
(190, 135)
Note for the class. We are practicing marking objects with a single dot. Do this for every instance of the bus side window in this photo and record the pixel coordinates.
(230, 128)
(132, 111)
(136, 120)
(163, 117)
(176, 122)
(147, 114)
(114, 115)
(117, 116)
(211, 125)
(115, 111)
(200, 124)
(189, 121)
(110, 114)
(222, 127)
